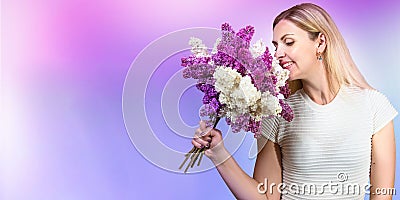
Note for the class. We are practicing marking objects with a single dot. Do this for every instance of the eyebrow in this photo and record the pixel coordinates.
(283, 37)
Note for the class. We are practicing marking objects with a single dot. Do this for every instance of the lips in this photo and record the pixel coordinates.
(286, 64)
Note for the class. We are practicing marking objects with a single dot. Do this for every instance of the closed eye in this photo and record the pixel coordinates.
(289, 43)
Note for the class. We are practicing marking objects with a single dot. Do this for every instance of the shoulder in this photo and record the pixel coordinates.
(374, 94)
(370, 95)
(365, 96)
(354, 91)
(382, 111)
(354, 94)
(375, 100)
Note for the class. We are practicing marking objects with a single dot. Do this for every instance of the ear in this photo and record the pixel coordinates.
(321, 43)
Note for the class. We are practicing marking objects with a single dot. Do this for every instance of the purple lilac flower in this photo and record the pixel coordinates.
(208, 111)
(244, 122)
(267, 58)
(226, 27)
(198, 68)
(285, 90)
(287, 112)
(244, 36)
(254, 127)
(233, 51)
(210, 96)
(244, 56)
(274, 79)
(223, 59)
(239, 123)
(208, 90)
(258, 76)
(267, 84)
(215, 104)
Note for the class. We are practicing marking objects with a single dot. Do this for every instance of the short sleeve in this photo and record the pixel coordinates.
(269, 129)
(382, 110)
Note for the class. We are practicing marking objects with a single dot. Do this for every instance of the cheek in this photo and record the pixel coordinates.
(295, 53)
(304, 57)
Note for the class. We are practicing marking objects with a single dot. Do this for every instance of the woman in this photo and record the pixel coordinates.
(342, 134)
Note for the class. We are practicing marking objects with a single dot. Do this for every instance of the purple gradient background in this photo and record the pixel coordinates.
(63, 69)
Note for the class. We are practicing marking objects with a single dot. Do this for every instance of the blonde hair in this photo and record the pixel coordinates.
(339, 65)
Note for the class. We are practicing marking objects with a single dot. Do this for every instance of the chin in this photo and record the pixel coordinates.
(292, 78)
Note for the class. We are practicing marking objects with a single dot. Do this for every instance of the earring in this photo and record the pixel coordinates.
(319, 56)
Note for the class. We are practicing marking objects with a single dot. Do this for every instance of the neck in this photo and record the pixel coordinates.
(317, 88)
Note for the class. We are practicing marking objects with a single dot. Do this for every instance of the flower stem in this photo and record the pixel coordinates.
(216, 121)
(187, 155)
(195, 152)
(201, 156)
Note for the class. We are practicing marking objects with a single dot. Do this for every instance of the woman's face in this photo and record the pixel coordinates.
(295, 50)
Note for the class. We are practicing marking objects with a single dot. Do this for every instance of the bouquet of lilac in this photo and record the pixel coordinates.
(241, 83)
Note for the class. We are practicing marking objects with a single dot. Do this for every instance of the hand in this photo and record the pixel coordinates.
(211, 140)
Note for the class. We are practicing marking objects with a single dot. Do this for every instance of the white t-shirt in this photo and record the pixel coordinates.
(326, 149)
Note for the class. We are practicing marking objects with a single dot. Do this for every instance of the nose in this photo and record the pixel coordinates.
(279, 53)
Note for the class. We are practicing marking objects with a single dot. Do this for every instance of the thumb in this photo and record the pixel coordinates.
(215, 133)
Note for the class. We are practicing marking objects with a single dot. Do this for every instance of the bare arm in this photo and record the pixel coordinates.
(269, 157)
(242, 185)
(383, 163)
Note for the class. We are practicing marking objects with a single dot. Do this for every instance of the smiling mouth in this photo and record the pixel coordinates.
(287, 65)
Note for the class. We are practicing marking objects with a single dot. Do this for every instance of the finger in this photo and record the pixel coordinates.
(196, 144)
(208, 130)
(202, 133)
(205, 132)
(201, 141)
(214, 132)
(207, 138)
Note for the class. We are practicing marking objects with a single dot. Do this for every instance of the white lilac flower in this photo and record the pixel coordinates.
(247, 92)
(258, 48)
(240, 95)
(237, 92)
(270, 104)
(281, 74)
(226, 79)
(198, 48)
